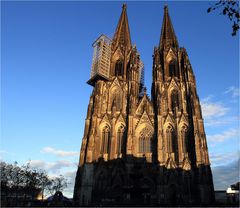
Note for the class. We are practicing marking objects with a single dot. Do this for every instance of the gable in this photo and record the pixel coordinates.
(169, 119)
(144, 104)
(186, 164)
(115, 83)
(171, 55)
(173, 84)
(170, 163)
(105, 119)
(144, 119)
(120, 119)
(183, 120)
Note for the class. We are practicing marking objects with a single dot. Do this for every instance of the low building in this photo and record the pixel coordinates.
(232, 196)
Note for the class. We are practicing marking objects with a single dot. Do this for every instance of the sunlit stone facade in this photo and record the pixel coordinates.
(138, 150)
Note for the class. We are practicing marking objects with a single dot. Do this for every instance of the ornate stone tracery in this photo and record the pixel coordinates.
(145, 140)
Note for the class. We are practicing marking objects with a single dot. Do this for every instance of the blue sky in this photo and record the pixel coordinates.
(46, 61)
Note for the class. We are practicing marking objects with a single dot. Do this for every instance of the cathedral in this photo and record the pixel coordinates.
(139, 150)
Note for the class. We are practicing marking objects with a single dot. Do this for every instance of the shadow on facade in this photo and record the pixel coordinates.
(133, 181)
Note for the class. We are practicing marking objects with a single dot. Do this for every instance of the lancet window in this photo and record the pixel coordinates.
(145, 139)
(105, 140)
(184, 138)
(120, 132)
(170, 141)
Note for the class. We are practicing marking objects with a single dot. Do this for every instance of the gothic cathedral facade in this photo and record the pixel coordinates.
(138, 150)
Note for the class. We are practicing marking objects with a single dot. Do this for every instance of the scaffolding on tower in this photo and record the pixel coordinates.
(101, 59)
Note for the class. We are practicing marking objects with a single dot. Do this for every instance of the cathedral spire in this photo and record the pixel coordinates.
(122, 33)
(168, 37)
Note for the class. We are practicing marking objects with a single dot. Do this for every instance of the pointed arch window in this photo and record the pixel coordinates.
(184, 138)
(119, 68)
(173, 70)
(172, 142)
(145, 140)
(105, 140)
(169, 134)
(120, 132)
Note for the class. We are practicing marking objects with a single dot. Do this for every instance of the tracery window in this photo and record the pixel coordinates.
(116, 99)
(105, 140)
(120, 132)
(145, 139)
(119, 68)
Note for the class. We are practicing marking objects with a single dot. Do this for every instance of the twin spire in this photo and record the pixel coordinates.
(122, 33)
(168, 37)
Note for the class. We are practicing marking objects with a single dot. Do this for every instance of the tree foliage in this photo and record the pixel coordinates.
(229, 8)
(26, 180)
(57, 184)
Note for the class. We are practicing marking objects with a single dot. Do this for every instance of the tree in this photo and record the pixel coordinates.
(229, 8)
(57, 184)
(26, 181)
(44, 181)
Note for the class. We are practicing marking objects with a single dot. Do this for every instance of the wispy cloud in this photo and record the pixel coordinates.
(234, 91)
(221, 121)
(223, 158)
(53, 167)
(229, 134)
(212, 109)
(60, 153)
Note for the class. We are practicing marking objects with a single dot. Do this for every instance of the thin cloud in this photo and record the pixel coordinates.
(212, 109)
(229, 134)
(234, 91)
(60, 153)
(225, 175)
(53, 167)
(220, 122)
(221, 158)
